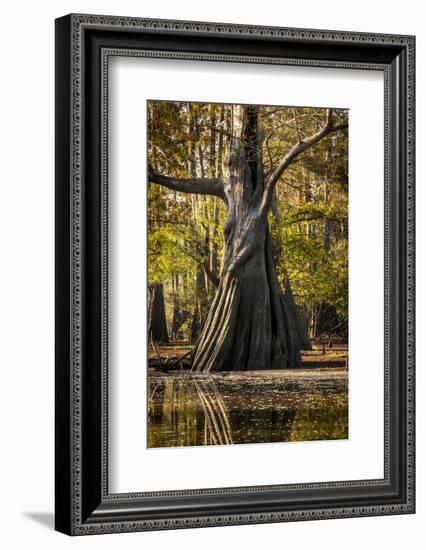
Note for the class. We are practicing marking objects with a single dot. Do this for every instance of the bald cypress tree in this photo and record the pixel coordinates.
(251, 325)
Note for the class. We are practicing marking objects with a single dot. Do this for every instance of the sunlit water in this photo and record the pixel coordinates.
(256, 407)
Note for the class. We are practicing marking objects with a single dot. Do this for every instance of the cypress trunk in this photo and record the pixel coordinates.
(249, 325)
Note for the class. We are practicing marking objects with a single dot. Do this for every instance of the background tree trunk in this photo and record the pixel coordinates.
(200, 310)
(298, 320)
(157, 326)
(177, 316)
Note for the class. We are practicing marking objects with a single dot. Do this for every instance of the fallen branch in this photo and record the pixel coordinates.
(179, 359)
(163, 366)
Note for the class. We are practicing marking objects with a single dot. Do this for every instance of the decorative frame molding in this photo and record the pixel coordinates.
(84, 44)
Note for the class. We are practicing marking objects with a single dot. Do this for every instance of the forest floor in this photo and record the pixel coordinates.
(175, 356)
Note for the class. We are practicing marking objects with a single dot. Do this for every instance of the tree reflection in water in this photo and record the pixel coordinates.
(193, 410)
(187, 412)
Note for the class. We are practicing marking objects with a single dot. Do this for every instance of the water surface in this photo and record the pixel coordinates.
(187, 409)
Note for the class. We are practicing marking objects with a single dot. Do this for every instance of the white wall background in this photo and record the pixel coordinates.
(26, 289)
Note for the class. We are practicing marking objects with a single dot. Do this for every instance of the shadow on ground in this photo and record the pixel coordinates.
(44, 518)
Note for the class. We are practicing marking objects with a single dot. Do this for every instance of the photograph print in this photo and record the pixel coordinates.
(247, 327)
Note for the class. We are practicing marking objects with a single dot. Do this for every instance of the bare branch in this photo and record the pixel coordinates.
(295, 152)
(172, 164)
(199, 186)
(296, 124)
(214, 279)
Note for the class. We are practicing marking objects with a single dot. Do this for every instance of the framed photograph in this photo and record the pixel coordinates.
(234, 274)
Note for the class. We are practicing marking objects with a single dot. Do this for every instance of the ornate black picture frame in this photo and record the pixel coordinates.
(84, 44)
